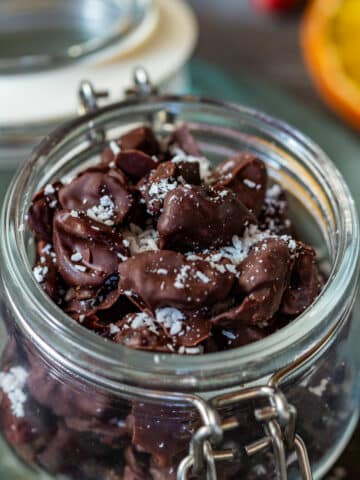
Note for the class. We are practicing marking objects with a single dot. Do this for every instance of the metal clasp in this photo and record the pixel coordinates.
(88, 97)
(143, 86)
(278, 419)
(88, 103)
(279, 422)
(162, 119)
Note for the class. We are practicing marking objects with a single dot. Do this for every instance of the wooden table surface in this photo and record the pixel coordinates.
(238, 39)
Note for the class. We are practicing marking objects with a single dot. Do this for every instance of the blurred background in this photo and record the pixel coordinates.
(295, 59)
(241, 36)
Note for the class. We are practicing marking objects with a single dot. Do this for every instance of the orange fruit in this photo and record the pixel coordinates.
(330, 37)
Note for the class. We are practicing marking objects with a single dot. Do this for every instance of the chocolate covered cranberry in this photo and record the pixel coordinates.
(182, 138)
(305, 282)
(135, 164)
(165, 278)
(101, 196)
(263, 278)
(165, 178)
(195, 218)
(141, 138)
(41, 211)
(87, 251)
(246, 175)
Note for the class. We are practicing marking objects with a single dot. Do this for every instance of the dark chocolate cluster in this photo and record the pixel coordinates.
(155, 250)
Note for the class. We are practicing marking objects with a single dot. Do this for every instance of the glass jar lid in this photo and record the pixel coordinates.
(37, 34)
(32, 104)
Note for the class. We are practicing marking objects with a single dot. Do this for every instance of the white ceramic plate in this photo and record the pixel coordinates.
(47, 97)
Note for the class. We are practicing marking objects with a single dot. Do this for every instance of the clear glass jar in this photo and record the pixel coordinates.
(78, 406)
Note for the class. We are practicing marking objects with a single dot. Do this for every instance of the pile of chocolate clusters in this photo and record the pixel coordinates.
(155, 250)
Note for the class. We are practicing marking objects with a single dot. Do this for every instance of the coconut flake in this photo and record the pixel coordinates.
(320, 389)
(250, 184)
(13, 383)
(114, 329)
(40, 273)
(190, 350)
(115, 147)
(143, 320)
(182, 276)
(139, 240)
(49, 189)
(160, 189)
(80, 268)
(104, 212)
(202, 277)
(76, 257)
(162, 271)
(228, 334)
(234, 254)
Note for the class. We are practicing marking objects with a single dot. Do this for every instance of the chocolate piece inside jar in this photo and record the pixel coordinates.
(157, 250)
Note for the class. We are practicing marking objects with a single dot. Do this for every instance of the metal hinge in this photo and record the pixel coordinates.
(278, 419)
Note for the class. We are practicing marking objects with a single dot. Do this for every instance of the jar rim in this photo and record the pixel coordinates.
(78, 349)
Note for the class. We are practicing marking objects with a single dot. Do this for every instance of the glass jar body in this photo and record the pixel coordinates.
(76, 406)
(61, 424)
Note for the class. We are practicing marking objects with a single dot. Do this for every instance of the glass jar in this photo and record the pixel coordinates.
(78, 407)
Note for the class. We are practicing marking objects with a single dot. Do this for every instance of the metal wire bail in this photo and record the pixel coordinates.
(278, 419)
(143, 86)
(88, 103)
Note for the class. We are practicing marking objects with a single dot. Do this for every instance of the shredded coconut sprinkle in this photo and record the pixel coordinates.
(80, 268)
(320, 389)
(115, 147)
(228, 334)
(104, 212)
(181, 277)
(143, 320)
(13, 383)
(160, 189)
(250, 184)
(76, 257)
(139, 240)
(190, 350)
(202, 277)
(40, 273)
(239, 250)
(170, 318)
(114, 329)
(167, 318)
(49, 189)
